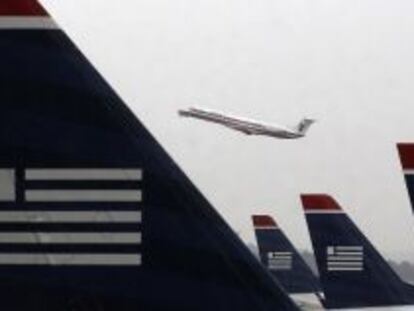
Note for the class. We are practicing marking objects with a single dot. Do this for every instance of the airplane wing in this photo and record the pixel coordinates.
(241, 129)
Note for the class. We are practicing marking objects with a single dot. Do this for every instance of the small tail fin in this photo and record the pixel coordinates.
(406, 152)
(352, 272)
(282, 259)
(94, 214)
(304, 125)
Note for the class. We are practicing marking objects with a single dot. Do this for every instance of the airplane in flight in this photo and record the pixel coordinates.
(285, 263)
(353, 274)
(249, 127)
(94, 214)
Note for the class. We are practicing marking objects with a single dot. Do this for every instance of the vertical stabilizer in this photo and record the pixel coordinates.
(279, 255)
(352, 272)
(94, 214)
(304, 126)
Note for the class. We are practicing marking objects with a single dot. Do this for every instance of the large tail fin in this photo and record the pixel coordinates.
(406, 152)
(352, 272)
(94, 215)
(282, 259)
(304, 125)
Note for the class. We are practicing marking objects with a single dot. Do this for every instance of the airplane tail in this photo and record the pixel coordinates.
(305, 125)
(353, 274)
(406, 152)
(282, 259)
(94, 214)
(187, 113)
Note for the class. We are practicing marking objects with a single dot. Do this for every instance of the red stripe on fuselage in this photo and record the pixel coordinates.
(21, 8)
(406, 152)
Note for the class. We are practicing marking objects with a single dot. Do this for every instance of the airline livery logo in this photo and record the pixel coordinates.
(345, 258)
(279, 260)
(70, 217)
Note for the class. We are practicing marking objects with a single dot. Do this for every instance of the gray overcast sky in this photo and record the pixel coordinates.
(347, 63)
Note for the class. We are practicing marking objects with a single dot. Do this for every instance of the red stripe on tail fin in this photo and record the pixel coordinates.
(21, 8)
(323, 202)
(406, 151)
(263, 221)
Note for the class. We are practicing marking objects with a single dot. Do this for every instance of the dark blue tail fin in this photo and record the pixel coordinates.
(282, 259)
(352, 272)
(406, 152)
(94, 215)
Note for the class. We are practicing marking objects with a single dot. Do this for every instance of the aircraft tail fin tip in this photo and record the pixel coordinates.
(312, 202)
(305, 125)
(406, 153)
(19, 8)
(263, 221)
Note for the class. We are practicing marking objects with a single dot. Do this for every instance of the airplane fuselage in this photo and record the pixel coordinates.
(246, 126)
